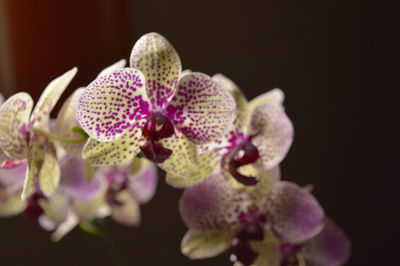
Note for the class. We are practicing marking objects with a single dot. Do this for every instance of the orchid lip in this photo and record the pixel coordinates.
(244, 153)
(251, 230)
(289, 252)
(157, 128)
(33, 210)
(115, 186)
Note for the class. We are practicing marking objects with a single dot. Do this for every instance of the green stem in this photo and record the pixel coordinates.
(112, 246)
(62, 139)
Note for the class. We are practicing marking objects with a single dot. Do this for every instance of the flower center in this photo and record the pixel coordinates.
(117, 182)
(157, 128)
(251, 230)
(288, 252)
(243, 154)
(33, 209)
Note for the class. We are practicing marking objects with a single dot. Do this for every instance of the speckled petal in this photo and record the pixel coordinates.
(114, 67)
(206, 163)
(42, 165)
(274, 97)
(240, 99)
(14, 119)
(201, 245)
(201, 108)
(129, 212)
(182, 162)
(73, 180)
(213, 204)
(112, 104)
(66, 119)
(329, 248)
(143, 180)
(115, 152)
(295, 214)
(273, 132)
(268, 250)
(160, 64)
(41, 114)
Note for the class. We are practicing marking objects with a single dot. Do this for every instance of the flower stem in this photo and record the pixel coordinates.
(62, 139)
(112, 246)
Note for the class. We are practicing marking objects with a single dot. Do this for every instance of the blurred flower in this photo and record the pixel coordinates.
(152, 108)
(260, 135)
(329, 248)
(115, 191)
(23, 135)
(254, 220)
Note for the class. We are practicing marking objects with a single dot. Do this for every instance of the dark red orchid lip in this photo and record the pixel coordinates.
(250, 155)
(157, 128)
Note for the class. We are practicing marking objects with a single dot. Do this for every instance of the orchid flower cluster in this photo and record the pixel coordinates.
(98, 158)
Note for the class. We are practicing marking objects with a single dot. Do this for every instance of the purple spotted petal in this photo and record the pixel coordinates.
(295, 214)
(143, 180)
(274, 97)
(206, 163)
(273, 132)
(240, 99)
(114, 67)
(14, 119)
(200, 245)
(213, 204)
(118, 151)
(73, 180)
(329, 248)
(66, 119)
(41, 114)
(155, 57)
(201, 108)
(112, 104)
(182, 161)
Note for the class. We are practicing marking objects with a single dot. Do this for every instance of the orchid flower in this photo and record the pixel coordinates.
(260, 135)
(23, 134)
(128, 186)
(253, 220)
(151, 108)
(73, 201)
(114, 191)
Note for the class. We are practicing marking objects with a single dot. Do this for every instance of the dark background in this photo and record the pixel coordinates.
(331, 58)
